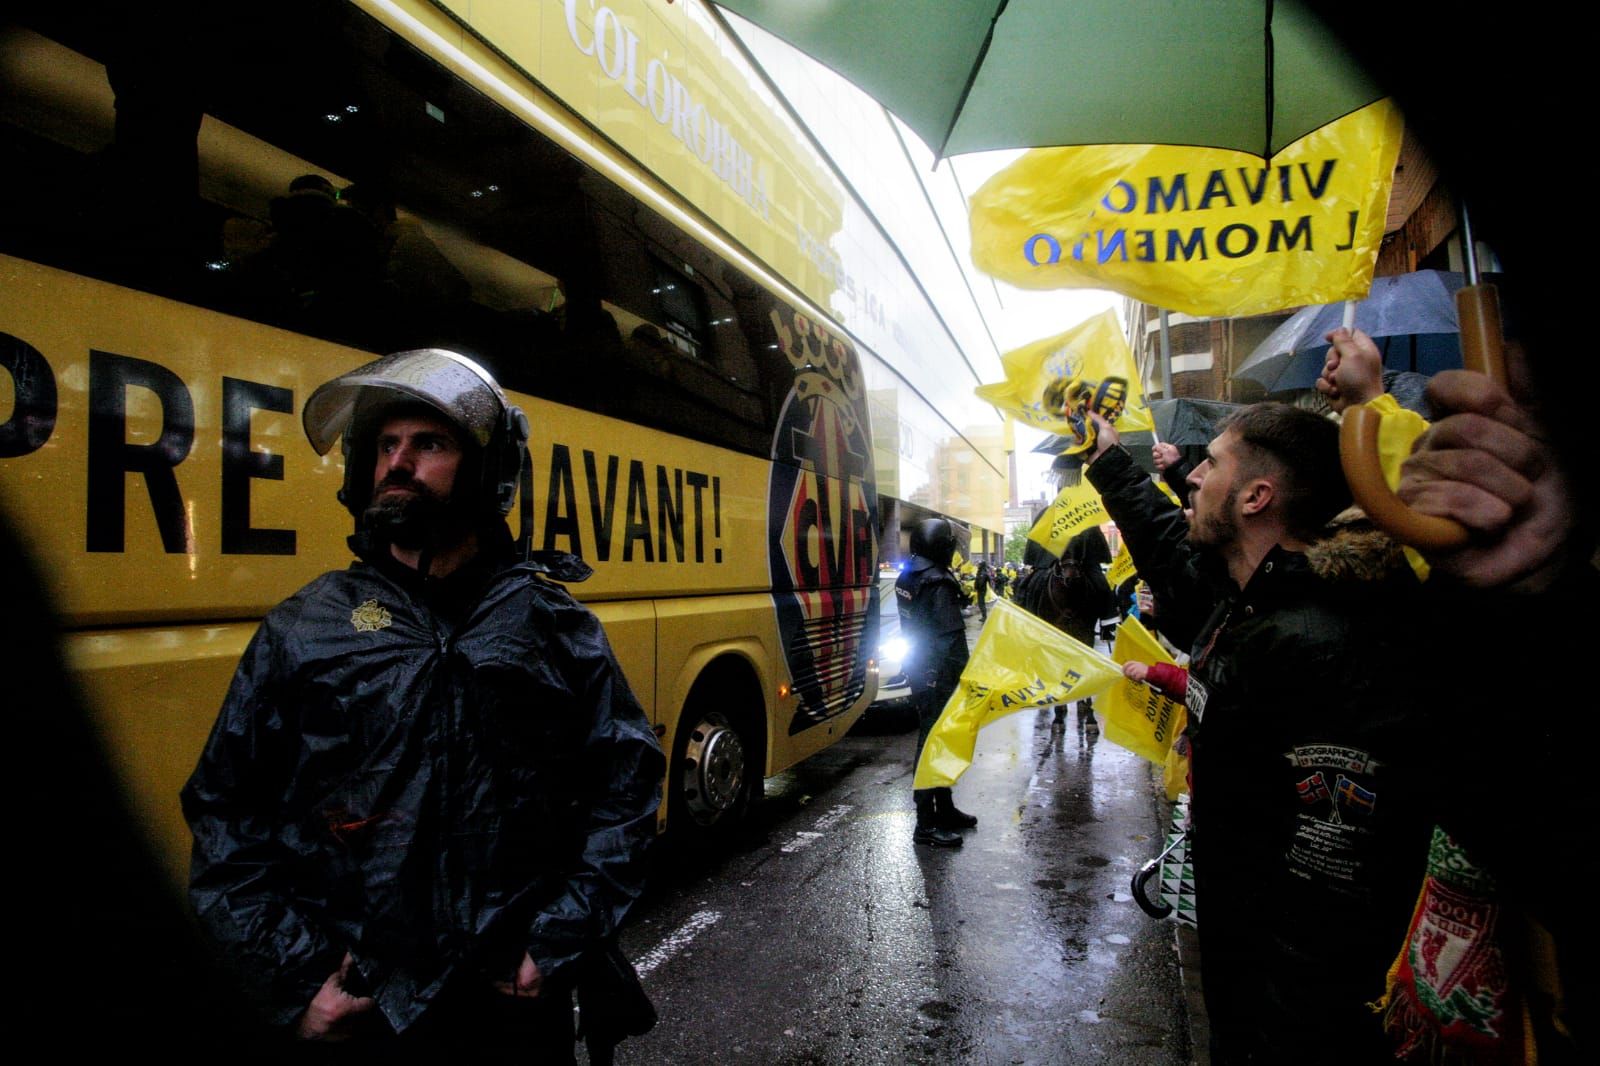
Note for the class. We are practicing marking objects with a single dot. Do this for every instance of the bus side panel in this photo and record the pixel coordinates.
(154, 694)
(631, 628)
(655, 514)
(143, 414)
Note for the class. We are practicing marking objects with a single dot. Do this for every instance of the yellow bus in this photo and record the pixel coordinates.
(210, 209)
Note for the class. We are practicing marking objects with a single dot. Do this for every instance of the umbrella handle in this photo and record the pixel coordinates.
(1482, 350)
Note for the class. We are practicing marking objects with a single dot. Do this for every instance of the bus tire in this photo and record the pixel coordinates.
(716, 772)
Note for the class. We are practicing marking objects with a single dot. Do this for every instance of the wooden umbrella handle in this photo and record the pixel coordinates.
(1482, 350)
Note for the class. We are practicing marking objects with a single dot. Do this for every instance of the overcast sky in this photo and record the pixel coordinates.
(1020, 316)
(1014, 317)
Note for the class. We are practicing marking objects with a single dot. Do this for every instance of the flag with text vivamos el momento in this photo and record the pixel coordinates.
(1204, 231)
(1020, 662)
(1092, 351)
(1075, 508)
(1122, 567)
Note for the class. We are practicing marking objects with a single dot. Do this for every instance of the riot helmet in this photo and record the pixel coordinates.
(351, 408)
(935, 540)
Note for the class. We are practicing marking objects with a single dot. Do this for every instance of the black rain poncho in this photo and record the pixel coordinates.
(433, 776)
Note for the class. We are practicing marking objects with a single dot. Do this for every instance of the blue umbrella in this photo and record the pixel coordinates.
(1411, 317)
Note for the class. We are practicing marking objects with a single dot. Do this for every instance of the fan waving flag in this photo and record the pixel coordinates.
(1139, 718)
(1095, 356)
(1020, 662)
(1135, 715)
(1204, 231)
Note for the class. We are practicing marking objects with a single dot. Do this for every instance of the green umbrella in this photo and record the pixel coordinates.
(972, 75)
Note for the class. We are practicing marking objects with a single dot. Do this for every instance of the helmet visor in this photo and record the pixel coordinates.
(461, 390)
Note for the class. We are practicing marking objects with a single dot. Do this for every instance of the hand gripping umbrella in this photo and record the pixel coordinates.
(1482, 350)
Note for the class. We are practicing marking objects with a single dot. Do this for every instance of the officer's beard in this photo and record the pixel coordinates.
(416, 521)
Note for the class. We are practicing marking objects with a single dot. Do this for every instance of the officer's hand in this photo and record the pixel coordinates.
(527, 983)
(333, 1010)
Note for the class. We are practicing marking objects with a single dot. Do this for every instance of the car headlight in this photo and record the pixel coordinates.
(894, 650)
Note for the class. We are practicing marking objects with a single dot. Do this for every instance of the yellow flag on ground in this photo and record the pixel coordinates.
(1094, 355)
(1200, 230)
(1122, 567)
(1020, 662)
(1134, 715)
(1076, 508)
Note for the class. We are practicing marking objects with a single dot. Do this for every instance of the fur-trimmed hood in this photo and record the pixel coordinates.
(1353, 550)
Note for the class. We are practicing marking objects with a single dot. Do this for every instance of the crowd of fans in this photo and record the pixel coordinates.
(1374, 818)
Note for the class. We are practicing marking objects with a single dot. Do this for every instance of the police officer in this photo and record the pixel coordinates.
(930, 601)
(429, 791)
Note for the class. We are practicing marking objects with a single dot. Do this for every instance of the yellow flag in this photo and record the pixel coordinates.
(1397, 434)
(1200, 230)
(1076, 508)
(1166, 490)
(1093, 356)
(1175, 774)
(1020, 662)
(1122, 567)
(1134, 715)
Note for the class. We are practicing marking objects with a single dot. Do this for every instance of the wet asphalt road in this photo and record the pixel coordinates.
(828, 937)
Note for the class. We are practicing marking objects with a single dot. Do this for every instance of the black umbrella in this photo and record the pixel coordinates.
(1181, 421)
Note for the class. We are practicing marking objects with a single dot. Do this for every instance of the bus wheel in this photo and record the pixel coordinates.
(712, 775)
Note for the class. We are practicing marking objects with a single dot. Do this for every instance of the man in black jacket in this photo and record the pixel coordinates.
(1307, 835)
(429, 789)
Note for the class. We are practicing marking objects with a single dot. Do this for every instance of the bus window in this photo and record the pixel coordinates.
(678, 303)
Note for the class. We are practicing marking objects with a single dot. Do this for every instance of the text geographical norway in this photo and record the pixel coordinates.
(1343, 758)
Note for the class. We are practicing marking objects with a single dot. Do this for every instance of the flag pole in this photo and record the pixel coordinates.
(1166, 356)
(1166, 372)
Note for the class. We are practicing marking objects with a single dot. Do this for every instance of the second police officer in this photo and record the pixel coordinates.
(930, 601)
